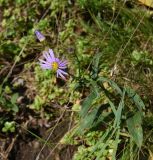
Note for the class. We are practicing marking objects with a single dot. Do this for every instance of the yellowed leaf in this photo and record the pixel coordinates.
(148, 3)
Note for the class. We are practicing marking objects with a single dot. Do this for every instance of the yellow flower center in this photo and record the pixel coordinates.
(54, 66)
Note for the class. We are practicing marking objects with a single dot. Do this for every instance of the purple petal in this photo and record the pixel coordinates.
(60, 74)
(63, 63)
(61, 71)
(62, 67)
(47, 56)
(45, 66)
(44, 62)
(57, 60)
(39, 35)
(52, 54)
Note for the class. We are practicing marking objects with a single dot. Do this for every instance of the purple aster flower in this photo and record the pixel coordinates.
(39, 35)
(53, 63)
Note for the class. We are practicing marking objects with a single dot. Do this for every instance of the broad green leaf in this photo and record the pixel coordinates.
(136, 98)
(87, 121)
(101, 116)
(88, 101)
(139, 102)
(111, 83)
(115, 86)
(135, 128)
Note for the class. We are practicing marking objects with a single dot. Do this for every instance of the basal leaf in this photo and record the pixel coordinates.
(135, 128)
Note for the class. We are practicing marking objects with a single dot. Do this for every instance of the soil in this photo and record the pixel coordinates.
(26, 146)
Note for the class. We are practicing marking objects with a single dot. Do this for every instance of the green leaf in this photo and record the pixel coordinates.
(136, 98)
(116, 142)
(88, 101)
(136, 55)
(15, 108)
(112, 84)
(9, 126)
(0, 89)
(14, 98)
(135, 128)
(109, 133)
(119, 111)
(87, 121)
(112, 106)
(95, 66)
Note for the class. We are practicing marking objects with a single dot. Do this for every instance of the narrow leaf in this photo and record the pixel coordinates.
(135, 98)
(111, 83)
(88, 102)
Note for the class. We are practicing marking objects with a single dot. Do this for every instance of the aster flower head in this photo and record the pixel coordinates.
(53, 63)
(39, 36)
